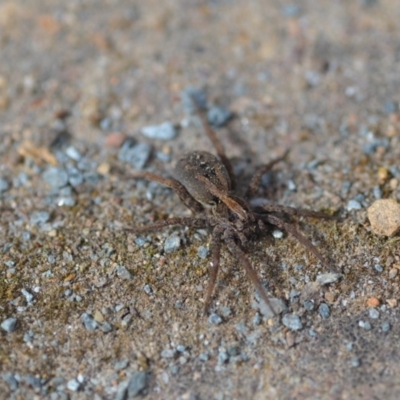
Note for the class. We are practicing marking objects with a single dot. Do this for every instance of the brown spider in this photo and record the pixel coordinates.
(206, 183)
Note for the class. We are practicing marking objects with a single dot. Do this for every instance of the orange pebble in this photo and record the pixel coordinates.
(373, 302)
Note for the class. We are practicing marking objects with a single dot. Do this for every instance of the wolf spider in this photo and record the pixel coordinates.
(206, 183)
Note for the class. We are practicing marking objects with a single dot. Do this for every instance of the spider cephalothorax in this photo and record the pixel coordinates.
(206, 184)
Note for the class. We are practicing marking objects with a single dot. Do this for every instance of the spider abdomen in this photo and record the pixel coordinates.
(204, 164)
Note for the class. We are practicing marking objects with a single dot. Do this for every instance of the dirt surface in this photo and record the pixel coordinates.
(104, 314)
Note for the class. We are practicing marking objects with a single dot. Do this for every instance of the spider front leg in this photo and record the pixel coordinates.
(184, 195)
(216, 242)
(234, 248)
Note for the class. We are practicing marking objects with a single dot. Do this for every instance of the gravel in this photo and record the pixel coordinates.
(218, 116)
(165, 131)
(191, 94)
(56, 177)
(123, 273)
(9, 325)
(330, 277)
(324, 310)
(292, 321)
(136, 155)
(172, 243)
(353, 205)
(89, 322)
(214, 319)
(373, 313)
(39, 217)
(203, 252)
(4, 185)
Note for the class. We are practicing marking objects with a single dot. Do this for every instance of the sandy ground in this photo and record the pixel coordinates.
(101, 313)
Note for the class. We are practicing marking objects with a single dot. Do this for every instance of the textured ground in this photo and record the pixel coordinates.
(104, 314)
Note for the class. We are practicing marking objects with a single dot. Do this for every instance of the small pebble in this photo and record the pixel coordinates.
(373, 302)
(377, 192)
(137, 384)
(9, 325)
(56, 177)
(324, 310)
(73, 153)
(378, 268)
(330, 277)
(123, 273)
(214, 319)
(73, 385)
(140, 241)
(134, 154)
(147, 289)
(223, 356)
(172, 243)
(218, 116)
(165, 131)
(106, 327)
(292, 321)
(28, 296)
(203, 252)
(39, 217)
(75, 177)
(373, 313)
(309, 305)
(11, 380)
(89, 322)
(277, 234)
(4, 185)
(355, 362)
(384, 216)
(365, 325)
(204, 356)
(121, 365)
(393, 273)
(257, 319)
(115, 139)
(385, 327)
(353, 205)
(190, 95)
(169, 353)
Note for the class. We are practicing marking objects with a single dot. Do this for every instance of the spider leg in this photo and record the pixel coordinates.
(237, 252)
(255, 181)
(187, 221)
(299, 236)
(184, 195)
(215, 257)
(216, 143)
(299, 212)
